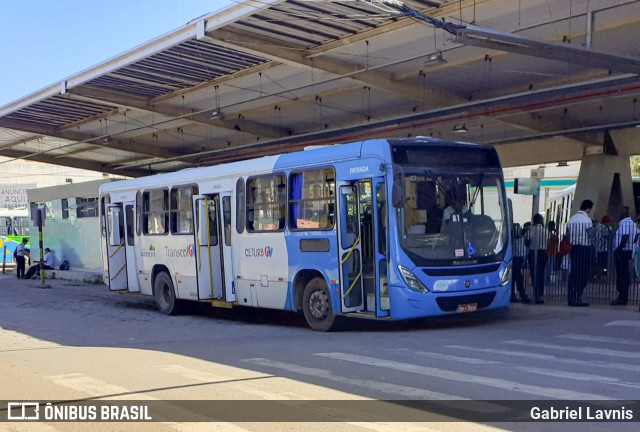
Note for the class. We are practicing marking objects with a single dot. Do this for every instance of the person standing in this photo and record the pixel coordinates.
(519, 254)
(579, 229)
(21, 254)
(624, 242)
(537, 239)
(552, 251)
(603, 246)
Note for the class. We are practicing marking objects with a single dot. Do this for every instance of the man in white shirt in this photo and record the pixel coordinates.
(623, 243)
(579, 230)
(21, 254)
(49, 259)
(537, 237)
(49, 264)
(457, 211)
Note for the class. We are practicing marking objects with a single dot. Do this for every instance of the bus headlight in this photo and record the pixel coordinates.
(411, 280)
(506, 275)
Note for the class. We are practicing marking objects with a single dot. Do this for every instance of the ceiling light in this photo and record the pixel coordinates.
(562, 164)
(460, 128)
(435, 59)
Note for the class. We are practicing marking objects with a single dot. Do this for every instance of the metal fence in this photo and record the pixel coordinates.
(551, 270)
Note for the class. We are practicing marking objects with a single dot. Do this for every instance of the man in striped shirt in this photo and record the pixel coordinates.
(579, 230)
(624, 242)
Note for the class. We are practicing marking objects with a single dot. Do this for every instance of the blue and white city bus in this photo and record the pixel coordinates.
(386, 229)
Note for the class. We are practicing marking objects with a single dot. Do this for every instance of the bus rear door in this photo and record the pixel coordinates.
(129, 245)
(227, 257)
(116, 251)
(209, 243)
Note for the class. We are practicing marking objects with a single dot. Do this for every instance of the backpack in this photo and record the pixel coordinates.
(565, 247)
(64, 265)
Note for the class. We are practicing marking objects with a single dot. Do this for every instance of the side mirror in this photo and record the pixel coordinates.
(398, 194)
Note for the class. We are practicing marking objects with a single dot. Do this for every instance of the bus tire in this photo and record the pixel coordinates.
(164, 294)
(316, 305)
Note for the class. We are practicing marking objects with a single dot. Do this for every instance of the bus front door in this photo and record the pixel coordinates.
(116, 251)
(350, 241)
(379, 249)
(208, 242)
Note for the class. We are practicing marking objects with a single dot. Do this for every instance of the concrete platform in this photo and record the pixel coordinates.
(88, 276)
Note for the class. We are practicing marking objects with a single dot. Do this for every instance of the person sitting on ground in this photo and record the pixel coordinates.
(49, 264)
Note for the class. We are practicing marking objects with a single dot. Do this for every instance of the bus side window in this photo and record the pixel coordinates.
(250, 219)
(226, 214)
(240, 206)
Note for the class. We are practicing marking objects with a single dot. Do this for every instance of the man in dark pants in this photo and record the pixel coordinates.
(624, 242)
(519, 252)
(579, 230)
(537, 238)
(21, 254)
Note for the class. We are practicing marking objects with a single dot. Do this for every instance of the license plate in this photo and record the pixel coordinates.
(469, 307)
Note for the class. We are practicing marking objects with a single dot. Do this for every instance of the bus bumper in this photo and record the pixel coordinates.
(406, 303)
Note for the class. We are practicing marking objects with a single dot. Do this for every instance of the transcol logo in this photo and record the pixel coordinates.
(179, 253)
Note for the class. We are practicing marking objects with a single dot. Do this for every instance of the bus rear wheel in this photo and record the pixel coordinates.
(316, 305)
(164, 294)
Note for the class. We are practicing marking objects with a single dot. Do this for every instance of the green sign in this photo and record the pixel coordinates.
(526, 186)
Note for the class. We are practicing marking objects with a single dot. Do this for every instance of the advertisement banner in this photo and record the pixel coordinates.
(14, 196)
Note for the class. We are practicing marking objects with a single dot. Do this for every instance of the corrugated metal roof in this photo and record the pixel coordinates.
(58, 111)
(176, 68)
(273, 75)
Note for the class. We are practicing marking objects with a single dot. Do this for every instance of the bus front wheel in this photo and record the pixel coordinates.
(316, 305)
(165, 294)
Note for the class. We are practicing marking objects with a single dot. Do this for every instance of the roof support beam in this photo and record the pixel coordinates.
(519, 44)
(79, 138)
(295, 57)
(73, 163)
(496, 107)
(201, 117)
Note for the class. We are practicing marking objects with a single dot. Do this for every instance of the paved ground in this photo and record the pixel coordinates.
(79, 341)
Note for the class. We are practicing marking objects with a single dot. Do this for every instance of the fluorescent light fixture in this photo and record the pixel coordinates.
(435, 59)
(460, 128)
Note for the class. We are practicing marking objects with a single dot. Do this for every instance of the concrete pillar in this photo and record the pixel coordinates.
(605, 178)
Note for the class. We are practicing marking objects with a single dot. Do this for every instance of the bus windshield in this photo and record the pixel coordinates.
(457, 216)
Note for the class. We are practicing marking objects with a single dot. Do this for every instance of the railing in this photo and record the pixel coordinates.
(597, 265)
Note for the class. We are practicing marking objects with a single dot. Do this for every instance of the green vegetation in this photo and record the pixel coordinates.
(635, 165)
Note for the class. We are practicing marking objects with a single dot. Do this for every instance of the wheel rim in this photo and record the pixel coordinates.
(163, 293)
(166, 294)
(319, 305)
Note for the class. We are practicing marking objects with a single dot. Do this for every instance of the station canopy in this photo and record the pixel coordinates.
(551, 77)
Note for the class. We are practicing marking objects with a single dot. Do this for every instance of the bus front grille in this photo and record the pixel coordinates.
(461, 271)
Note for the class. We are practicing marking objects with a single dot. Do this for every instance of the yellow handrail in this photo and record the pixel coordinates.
(344, 260)
(352, 285)
(119, 271)
(117, 249)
